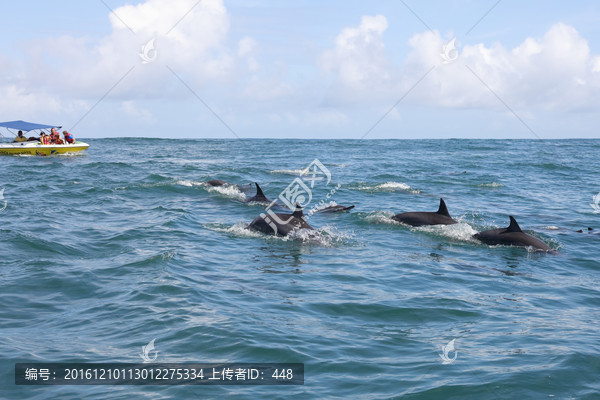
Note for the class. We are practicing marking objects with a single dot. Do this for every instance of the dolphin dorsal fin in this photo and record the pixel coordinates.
(259, 192)
(298, 213)
(513, 227)
(443, 210)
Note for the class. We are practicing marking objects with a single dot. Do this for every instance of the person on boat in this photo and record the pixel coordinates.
(44, 139)
(20, 137)
(53, 134)
(69, 138)
(58, 140)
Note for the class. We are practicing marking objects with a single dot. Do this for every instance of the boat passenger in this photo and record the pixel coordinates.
(69, 138)
(58, 140)
(45, 139)
(20, 137)
(53, 134)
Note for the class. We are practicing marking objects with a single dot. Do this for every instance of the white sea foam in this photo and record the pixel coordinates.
(380, 217)
(491, 185)
(297, 172)
(231, 191)
(189, 183)
(325, 236)
(240, 229)
(394, 185)
(389, 187)
(460, 231)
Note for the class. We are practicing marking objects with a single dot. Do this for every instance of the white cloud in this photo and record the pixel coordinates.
(358, 59)
(246, 78)
(190, 37)
(246, 49)
(139, 114)
(555, 71)
(63, 74)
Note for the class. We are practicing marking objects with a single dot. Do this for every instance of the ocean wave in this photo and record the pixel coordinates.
(189, 183)
(326, 236)
(240, 229)
(491, 185)
(332, 164)
(72, 154)
(552, 228)
(380, 217)
(152, 259)
(297, 172)
(389, 187)
(231, 191)
(460, 231)
(336, 236)
(323, 206)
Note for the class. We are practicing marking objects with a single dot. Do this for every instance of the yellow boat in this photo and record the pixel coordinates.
(38, 149)
(34, 147)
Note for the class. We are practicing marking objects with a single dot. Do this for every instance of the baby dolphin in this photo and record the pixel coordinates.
(217, 182)
(440, 217)
(280, 224)
(259, 196)
(511, 236)
(334, 209)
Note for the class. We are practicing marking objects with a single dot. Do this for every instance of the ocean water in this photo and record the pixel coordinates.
(104, 251)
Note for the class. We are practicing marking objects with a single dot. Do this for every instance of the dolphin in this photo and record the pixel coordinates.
(217, 182)
(440, 217)
(280, 224)
(259, 196)
(511, 236)
(336, 208)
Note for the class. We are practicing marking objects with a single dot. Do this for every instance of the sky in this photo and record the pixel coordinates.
(304, 69)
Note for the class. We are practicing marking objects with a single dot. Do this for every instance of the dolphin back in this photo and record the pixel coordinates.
(259, 196)
(511, 236)
(440, 217)
(443, 210)
(280, 224)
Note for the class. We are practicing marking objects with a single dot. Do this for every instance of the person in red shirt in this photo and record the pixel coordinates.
(53, 135)
(69, 137)
(44, 139)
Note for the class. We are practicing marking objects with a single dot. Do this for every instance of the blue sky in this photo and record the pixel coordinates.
(304, 69)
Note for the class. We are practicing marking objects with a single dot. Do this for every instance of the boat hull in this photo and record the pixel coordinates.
(38, 149)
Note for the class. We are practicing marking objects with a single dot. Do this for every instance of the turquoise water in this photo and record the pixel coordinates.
(105, 251)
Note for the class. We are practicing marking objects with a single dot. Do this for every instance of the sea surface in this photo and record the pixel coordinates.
(104, 251)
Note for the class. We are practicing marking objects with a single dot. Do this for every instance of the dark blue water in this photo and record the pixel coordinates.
(105, 251)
